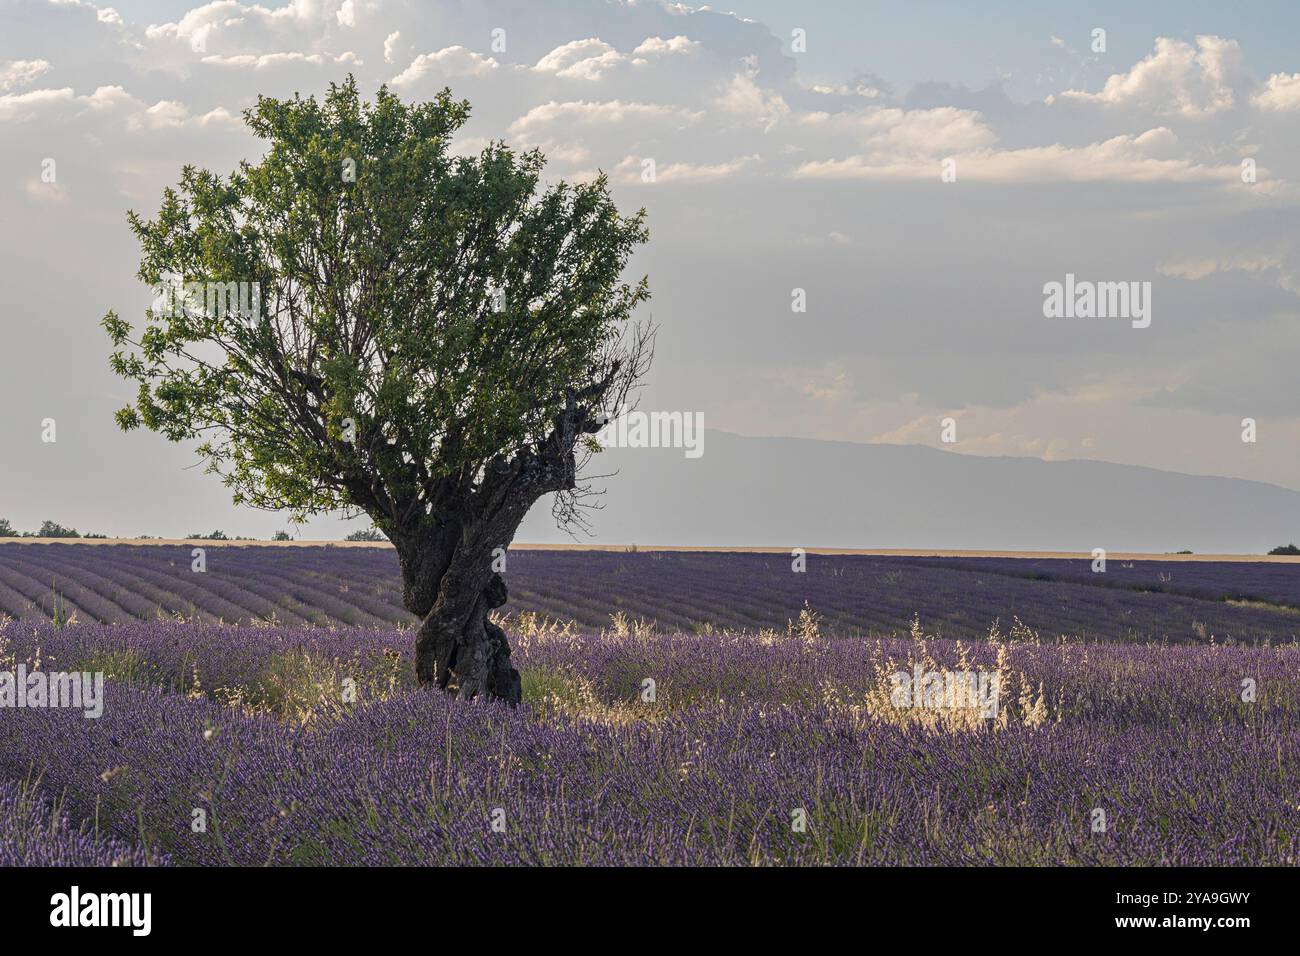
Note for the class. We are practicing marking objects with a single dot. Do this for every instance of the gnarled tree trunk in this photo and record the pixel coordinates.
(448, 576)
(468, 655)
(453, 589)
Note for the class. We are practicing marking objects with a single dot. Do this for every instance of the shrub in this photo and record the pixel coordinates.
(52, 529)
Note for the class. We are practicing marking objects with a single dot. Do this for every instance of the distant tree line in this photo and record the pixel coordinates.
(52, 529)
(48, 529)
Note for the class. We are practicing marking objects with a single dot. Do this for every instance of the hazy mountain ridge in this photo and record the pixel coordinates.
(747, 492)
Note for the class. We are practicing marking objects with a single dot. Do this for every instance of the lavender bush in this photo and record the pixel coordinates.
(34, 832)
(757, 748)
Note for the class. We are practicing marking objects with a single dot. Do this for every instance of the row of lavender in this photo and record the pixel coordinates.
(748, 754)
(698, 592)
(115, 583)
(1273, 582)
(679, 591)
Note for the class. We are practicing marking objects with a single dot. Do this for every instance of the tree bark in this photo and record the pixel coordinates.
(448, 580)
(467, 654)
(447, 559)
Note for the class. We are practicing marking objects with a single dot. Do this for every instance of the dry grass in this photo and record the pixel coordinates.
(1018, 701)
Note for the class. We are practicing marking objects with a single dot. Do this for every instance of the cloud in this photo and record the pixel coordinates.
(1191, 269)
(1177, 79)
(631, 170)
(591, 59)
(129, 113)
(43, 192)
(1281, 93)
(658, 46)
(592, 113)
(19, 107)
(448, 62)
(1283, 269)
(865, 90)
(1119, 159)
(924, 297)
(390, 46)
(16, 73)
(581, 59)
(743, 97)
(271, 60)
(902, 133)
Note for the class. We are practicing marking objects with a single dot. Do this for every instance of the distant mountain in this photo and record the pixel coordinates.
(749, 492)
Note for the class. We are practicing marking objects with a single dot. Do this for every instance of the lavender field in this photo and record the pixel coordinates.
(1134, 727)
(698, 592)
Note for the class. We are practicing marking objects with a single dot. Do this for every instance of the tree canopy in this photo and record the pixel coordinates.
(403, 317)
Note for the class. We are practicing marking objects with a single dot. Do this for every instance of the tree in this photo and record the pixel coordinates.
(281, 536)
(1285, 549)
(365, 534)
(52, 529)
(432, 341)
(6, 529)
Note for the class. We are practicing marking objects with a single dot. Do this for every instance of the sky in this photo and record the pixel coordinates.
(915, 173)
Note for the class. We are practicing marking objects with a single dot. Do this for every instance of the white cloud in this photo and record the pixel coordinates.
(1177, 79)
(580, 60)
(18, 107)
(570, 153)
(270, 60)
(43, 192)
(864, 90)
(630, 169)
(451, 61)
(658, 46)
(162, 114)
(907, 133)
(390, 46)
(744, 97)
(124, 111)
(608, 113)
(16, 73)
(1119, 159)
(1280, 93)
(591, 59)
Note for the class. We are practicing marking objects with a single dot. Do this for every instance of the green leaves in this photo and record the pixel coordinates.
(442, 305)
